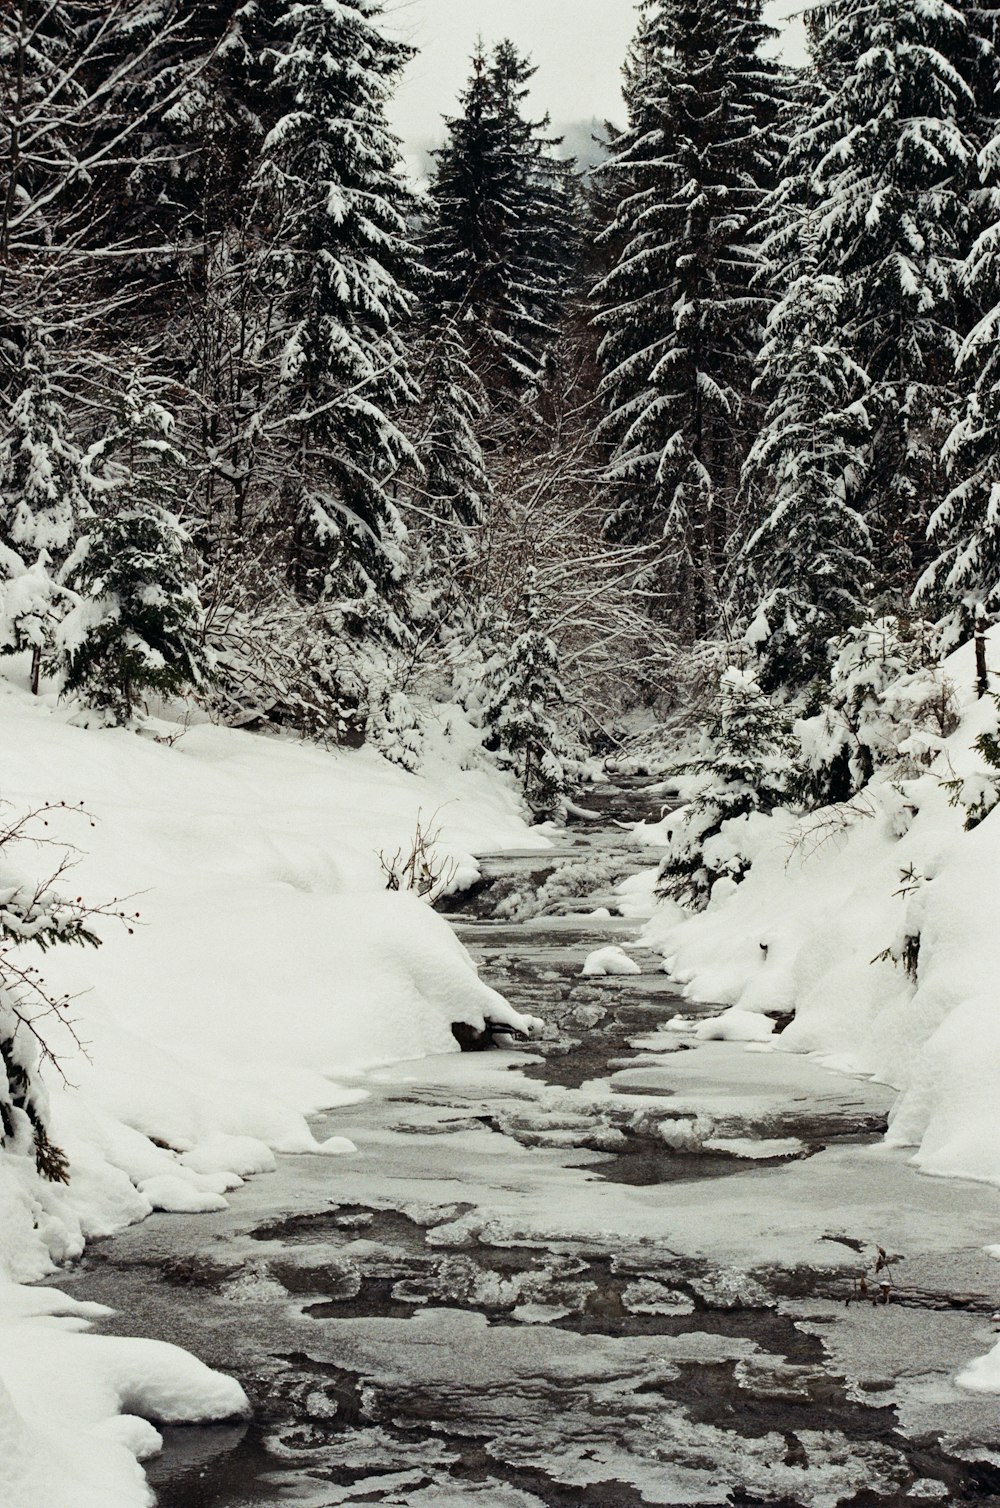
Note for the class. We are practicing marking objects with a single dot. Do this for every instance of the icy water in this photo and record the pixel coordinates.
(611, 1269)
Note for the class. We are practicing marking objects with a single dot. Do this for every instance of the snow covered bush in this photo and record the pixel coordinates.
(32, 605)
(745, 766)
(275, 659)
(978, 791)
(889, 707)
(394, 728)
(31, 911)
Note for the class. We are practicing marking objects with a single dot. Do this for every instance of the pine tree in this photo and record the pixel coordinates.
(503, 230)
(962, 581)
(890, 148)
(341, 268)
(681, 325)
(454, 481)
(44, 490)
(522, 689)
(44, 496)
(805, 571)
(745, 766)
(136, 628)
(207, 98)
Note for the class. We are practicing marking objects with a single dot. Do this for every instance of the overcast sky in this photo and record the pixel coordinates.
(578, 45)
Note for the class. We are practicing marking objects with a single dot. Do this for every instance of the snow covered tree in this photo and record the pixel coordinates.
(891, 150)
(206, 105)
(454, 481)
(44, 497)
(447, 501)
(804, 573)
(962, 580)
(502, 232)
(341, 268)
(136, 628)
(522, 688)
(745, 766)
(681, 326)
(44, 491)
(889, 705)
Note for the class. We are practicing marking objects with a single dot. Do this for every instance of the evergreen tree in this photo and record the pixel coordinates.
(44, 488)
(503, 232)
(681, 326)
(890, 147)
(207, 99)
(44, 496)
(886, 693)
(805, 571)
(745, 766)
(522, 688)
(136, 627)
(454, 480)
(962, 580)
(341, 268)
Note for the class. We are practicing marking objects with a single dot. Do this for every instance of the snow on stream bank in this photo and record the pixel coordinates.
(268, 963)
(834, 905)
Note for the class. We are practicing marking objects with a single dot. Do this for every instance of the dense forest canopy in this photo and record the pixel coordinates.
(325, 448)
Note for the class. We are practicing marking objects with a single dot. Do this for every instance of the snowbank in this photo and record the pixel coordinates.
(268, 966)
(877, 923)
(609, 961)
(77, 1411)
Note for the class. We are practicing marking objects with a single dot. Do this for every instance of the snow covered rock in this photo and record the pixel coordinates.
(610, 961)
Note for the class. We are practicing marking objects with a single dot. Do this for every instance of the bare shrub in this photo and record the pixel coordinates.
(419, 869)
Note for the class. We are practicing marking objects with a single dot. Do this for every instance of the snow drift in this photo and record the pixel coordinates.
(876, 923)
(267, 970)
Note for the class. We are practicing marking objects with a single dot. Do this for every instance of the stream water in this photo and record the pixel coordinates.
(613, 1268)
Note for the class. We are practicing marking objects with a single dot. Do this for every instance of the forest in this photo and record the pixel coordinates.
(284, 428)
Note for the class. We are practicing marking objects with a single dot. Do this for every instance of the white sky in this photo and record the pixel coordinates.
(578, 45)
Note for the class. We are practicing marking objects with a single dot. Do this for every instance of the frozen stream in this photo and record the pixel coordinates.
(608, 1270)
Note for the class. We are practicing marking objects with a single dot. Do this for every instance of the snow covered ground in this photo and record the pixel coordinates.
(268, 959)
(834, 908)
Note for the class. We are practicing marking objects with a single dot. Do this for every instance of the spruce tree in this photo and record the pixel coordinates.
(805, 571)
(681, 324)
(44, 496)
(962, 581)
(341, 269)
(745, 766)
(522, 691)
(43, 485)
(136, 627)
(454, 480)
(502, 234)
(890, 150)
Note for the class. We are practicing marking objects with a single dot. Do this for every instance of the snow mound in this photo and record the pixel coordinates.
(610, 961)
(269, 964)
(983, 1374)
(77, 1411)
(874, 922)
